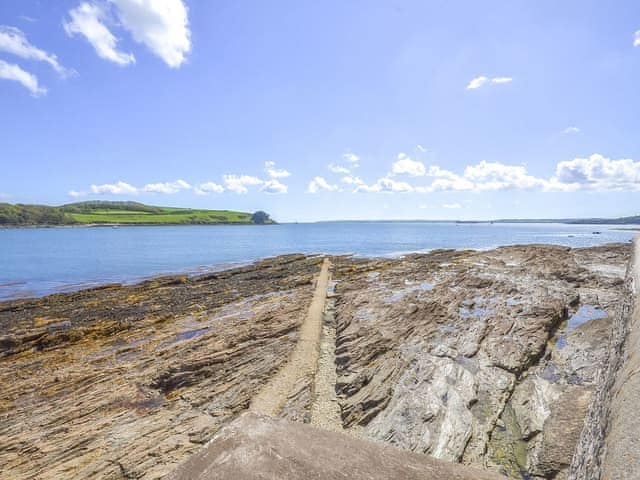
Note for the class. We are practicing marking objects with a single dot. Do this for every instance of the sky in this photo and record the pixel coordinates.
(345, 109)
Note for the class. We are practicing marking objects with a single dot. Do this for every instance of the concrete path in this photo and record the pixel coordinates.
(304, 359)
(325, 410)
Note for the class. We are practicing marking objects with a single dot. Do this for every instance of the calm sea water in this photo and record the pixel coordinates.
(36, 262)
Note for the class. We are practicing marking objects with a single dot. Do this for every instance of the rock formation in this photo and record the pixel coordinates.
(261, 448)
(484, 358)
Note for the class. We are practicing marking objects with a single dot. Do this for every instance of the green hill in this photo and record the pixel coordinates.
(121, 213)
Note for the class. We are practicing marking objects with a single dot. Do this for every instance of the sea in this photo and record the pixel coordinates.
(41, 261)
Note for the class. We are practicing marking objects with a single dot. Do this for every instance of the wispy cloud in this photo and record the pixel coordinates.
(162, 26)
(14, 41)
(13, 72)
(337, 168)
(87, 19)
(421, 148)
(636, 39)
(319, 184)
(477, 82)
(480, 81)
(451, 205)
(570, 130)
(351, 158)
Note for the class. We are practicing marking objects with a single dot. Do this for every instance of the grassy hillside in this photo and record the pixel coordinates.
(121, 213)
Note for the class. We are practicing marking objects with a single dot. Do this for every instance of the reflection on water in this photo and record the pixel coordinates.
(584, 314)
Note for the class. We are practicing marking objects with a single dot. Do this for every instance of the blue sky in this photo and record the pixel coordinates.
(325, 110)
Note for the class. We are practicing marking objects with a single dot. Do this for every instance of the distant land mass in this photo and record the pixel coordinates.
(121, 213)
(633, 220)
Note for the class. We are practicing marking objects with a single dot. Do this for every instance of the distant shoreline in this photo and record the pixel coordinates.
(632, 226)
(118, 225)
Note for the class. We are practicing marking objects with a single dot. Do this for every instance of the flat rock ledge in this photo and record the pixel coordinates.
(257, 447)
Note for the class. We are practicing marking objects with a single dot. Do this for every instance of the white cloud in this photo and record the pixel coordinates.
(386, 185)
(167, 188)
(595, 173)
(404, 165)
(480, 81)
(273, 172)
(14, 41)
(421, 148)
(239, 183)
(451, 205)
(337, 168)
(484, 176)
(636, 39)
(273, 187)
(570, 130)
(477, 82)
(208, 188)
(11, 71)
(351, 158)
(119, 188)
(445, 180)
(500, 80)
(87, 19)
(318, 184)
(351, 180)
(599, 173)
(497, 176)
(161, 25)
(76, 194)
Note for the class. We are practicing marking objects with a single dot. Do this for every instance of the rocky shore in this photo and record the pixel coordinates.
(483, 358)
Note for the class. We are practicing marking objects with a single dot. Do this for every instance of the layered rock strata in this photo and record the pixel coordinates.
(126, 382)
(486, 358)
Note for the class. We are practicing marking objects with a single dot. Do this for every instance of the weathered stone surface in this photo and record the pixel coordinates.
(260, 448)
(473, 356)
(144, 375)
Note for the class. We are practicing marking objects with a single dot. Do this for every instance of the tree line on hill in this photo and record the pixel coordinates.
(33, 215)
(44, 215)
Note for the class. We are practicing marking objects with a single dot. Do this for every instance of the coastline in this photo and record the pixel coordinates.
(200, 270)
(422, 330)
(118, 225)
